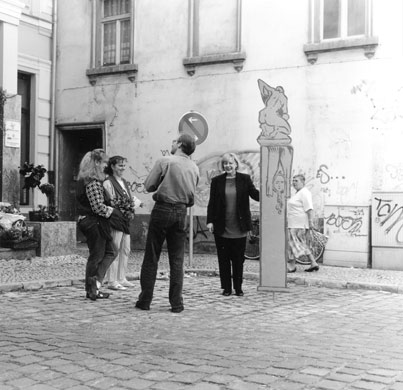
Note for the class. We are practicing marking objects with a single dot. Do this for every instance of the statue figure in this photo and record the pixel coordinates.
(274, 117)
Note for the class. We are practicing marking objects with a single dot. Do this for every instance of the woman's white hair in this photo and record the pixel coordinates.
(230, 156)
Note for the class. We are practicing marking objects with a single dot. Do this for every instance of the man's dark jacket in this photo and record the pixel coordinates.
(216, 205)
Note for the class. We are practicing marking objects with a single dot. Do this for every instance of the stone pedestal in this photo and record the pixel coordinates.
(275, 166)
(20, 254)
(55, 238)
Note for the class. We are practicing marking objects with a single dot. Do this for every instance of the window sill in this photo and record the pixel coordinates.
(191, 63)
(369, 44)
(129, 69)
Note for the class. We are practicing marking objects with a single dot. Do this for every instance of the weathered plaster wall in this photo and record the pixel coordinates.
(345, 110)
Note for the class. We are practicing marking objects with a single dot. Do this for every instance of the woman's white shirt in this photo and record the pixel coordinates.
(297, 207)
(111, 191)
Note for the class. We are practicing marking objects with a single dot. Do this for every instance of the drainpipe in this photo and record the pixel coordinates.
(52, 152)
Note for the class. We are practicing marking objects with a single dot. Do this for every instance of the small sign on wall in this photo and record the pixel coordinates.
(13, 134)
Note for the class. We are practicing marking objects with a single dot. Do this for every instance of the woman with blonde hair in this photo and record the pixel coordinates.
(94, 221)
(229, 218)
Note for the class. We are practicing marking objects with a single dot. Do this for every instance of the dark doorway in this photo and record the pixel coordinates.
(24, 90)
(73, 143)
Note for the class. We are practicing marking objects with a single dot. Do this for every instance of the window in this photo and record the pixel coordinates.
(343, 18)
(214, 34)
(115, 32)
(340, 25)
(112, 41)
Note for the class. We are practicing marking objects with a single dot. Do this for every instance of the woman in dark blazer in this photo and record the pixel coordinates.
(229, 218)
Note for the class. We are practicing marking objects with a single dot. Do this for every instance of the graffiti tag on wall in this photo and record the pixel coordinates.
(348, 220)
(387, 209)
(347, 228)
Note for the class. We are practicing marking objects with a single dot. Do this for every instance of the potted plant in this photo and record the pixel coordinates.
(32, 175)
(32, 179)
(54, 237)
(48, 214)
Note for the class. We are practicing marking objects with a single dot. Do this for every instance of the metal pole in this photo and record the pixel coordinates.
(190, 236)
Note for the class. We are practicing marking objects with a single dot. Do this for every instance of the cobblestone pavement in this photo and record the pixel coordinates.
(309, 338)
(67, 270)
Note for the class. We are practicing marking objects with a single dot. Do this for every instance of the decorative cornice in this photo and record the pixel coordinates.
(369, 44)
(191, 63)
(10, 11)
(129, 69)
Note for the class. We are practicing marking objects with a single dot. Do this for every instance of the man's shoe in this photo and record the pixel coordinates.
(239, 293)
(102, 295)
(177, 309)
(227, 293)
(91, 296)
(142, 307)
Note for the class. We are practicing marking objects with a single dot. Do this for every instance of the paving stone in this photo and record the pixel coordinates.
(138, 384)
(41, 386)
(377, 378)
(208, 386)
(330, 385)
(368, 385)
(22, 383)
(339, 377)
(315, 371)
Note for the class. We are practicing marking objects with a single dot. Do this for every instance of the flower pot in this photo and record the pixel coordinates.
(35, 216)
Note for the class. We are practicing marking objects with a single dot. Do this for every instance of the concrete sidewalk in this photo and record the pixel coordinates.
(39, 273)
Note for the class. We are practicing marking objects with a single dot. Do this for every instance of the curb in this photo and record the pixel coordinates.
(36, 285)
(302, 281)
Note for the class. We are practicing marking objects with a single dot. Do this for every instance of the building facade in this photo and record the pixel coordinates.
(129, 70)
(26, 75)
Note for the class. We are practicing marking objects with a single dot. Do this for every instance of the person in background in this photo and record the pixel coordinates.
(173, 179)
(299, 221)
(229, 219)
(94, 221)
(118, 195)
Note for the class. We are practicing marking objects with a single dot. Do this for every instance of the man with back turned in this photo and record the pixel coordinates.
(173, 179)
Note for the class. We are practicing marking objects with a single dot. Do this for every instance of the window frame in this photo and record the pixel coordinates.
(117, 19)
(193, 58)
(343, 23)
(317, 44)
(97, 68)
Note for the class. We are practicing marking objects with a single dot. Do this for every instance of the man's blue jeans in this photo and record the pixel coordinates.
(166, 222)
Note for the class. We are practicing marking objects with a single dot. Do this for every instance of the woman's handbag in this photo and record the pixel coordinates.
(318, 238)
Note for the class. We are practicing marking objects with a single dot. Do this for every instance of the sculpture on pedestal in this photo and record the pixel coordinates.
(276, 164)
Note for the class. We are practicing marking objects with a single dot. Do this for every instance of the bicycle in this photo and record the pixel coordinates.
(317, 243)
(252, 251)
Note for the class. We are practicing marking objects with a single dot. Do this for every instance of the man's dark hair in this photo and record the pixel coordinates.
(188, 143)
